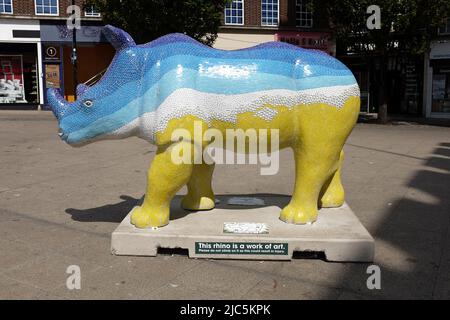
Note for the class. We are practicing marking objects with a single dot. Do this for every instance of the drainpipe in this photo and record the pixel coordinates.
(74, 58)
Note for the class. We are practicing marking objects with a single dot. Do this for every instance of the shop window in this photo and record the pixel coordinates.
(6, 6)
(362, 77)
(269, 12)
(47, 7)
(441, 90)
(303, 13)
(18, 74)
(91, 11)
(234, 12)
(445, 29)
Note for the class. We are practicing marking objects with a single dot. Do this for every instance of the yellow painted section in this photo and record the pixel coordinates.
(291, 122)
(315, 132)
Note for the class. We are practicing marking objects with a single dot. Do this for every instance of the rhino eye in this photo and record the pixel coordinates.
(88, 103)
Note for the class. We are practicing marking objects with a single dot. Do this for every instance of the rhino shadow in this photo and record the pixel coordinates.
(116, 212)
(107, 213)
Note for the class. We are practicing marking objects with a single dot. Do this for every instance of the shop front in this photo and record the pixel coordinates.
(404, 85)
(20, 64)
(94, 54)
(437, 77)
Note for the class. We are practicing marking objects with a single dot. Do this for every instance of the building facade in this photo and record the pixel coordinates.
(35, 50)
(436, 97)
(417, 85)
(249, 22)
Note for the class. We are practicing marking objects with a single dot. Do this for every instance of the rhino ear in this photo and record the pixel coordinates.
(81, 88)
(118, 38)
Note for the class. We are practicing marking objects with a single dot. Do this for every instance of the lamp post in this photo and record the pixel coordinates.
(73, 56)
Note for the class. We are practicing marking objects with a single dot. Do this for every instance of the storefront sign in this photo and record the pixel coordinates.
(254, 248)
(60, 33)
(52, 77)
(308, 40)
(51, 53)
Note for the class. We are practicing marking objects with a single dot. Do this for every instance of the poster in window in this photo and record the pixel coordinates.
(11, 79)
(439, 86)
(52, 76)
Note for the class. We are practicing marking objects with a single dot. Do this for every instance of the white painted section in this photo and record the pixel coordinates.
(8, 25)
(211, 106)
(233, 41)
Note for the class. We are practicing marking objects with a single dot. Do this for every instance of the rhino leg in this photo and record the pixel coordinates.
(332, 194)
(165, 177)
(200, 195)
(314, 164)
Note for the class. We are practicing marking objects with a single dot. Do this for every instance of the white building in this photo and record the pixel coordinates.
(21, 77)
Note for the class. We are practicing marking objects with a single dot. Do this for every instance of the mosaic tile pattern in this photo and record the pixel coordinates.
(148, 85)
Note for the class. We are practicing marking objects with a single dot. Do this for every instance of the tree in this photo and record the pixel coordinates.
(407, 27)
(146, 20)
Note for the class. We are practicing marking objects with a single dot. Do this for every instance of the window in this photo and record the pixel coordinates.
(6, 6)
(446, 28)
(303, 13)
(47, 7)
(234, 12)
(440, 92)
(269, 12)
(91, 11)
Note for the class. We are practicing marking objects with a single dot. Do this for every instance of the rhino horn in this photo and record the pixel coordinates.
(118, 38)
(81, 88)
(57, 103)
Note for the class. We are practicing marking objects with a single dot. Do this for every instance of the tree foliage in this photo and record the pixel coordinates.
(146, 20)
(406, 25)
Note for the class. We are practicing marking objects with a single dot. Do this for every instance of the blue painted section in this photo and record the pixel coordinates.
(141, 77)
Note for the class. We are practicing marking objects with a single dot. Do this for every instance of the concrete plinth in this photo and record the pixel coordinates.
(337, 232)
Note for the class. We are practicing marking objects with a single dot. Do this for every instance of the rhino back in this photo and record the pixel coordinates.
(177, 61)
(175, 76)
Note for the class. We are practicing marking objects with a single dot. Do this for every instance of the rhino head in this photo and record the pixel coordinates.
(98, 111)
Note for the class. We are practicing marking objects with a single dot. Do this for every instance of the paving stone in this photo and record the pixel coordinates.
(49, 272)
(11, 289)
(288, 289)
(59, 205)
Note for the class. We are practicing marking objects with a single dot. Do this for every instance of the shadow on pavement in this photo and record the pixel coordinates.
(411, 237)
(108, 213)
(411, 240)
(118, 211)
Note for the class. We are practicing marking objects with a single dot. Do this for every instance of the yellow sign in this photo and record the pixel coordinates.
(52, 79)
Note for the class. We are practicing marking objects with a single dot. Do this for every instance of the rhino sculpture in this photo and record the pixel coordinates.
(150, 90)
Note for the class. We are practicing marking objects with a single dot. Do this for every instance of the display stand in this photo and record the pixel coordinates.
(213, 234)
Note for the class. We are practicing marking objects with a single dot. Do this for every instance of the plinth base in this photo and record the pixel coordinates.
(337, 232)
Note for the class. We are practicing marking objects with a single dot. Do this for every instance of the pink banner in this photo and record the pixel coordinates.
(307, 40)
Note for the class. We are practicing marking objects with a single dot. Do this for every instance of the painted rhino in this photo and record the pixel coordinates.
(149, 90)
